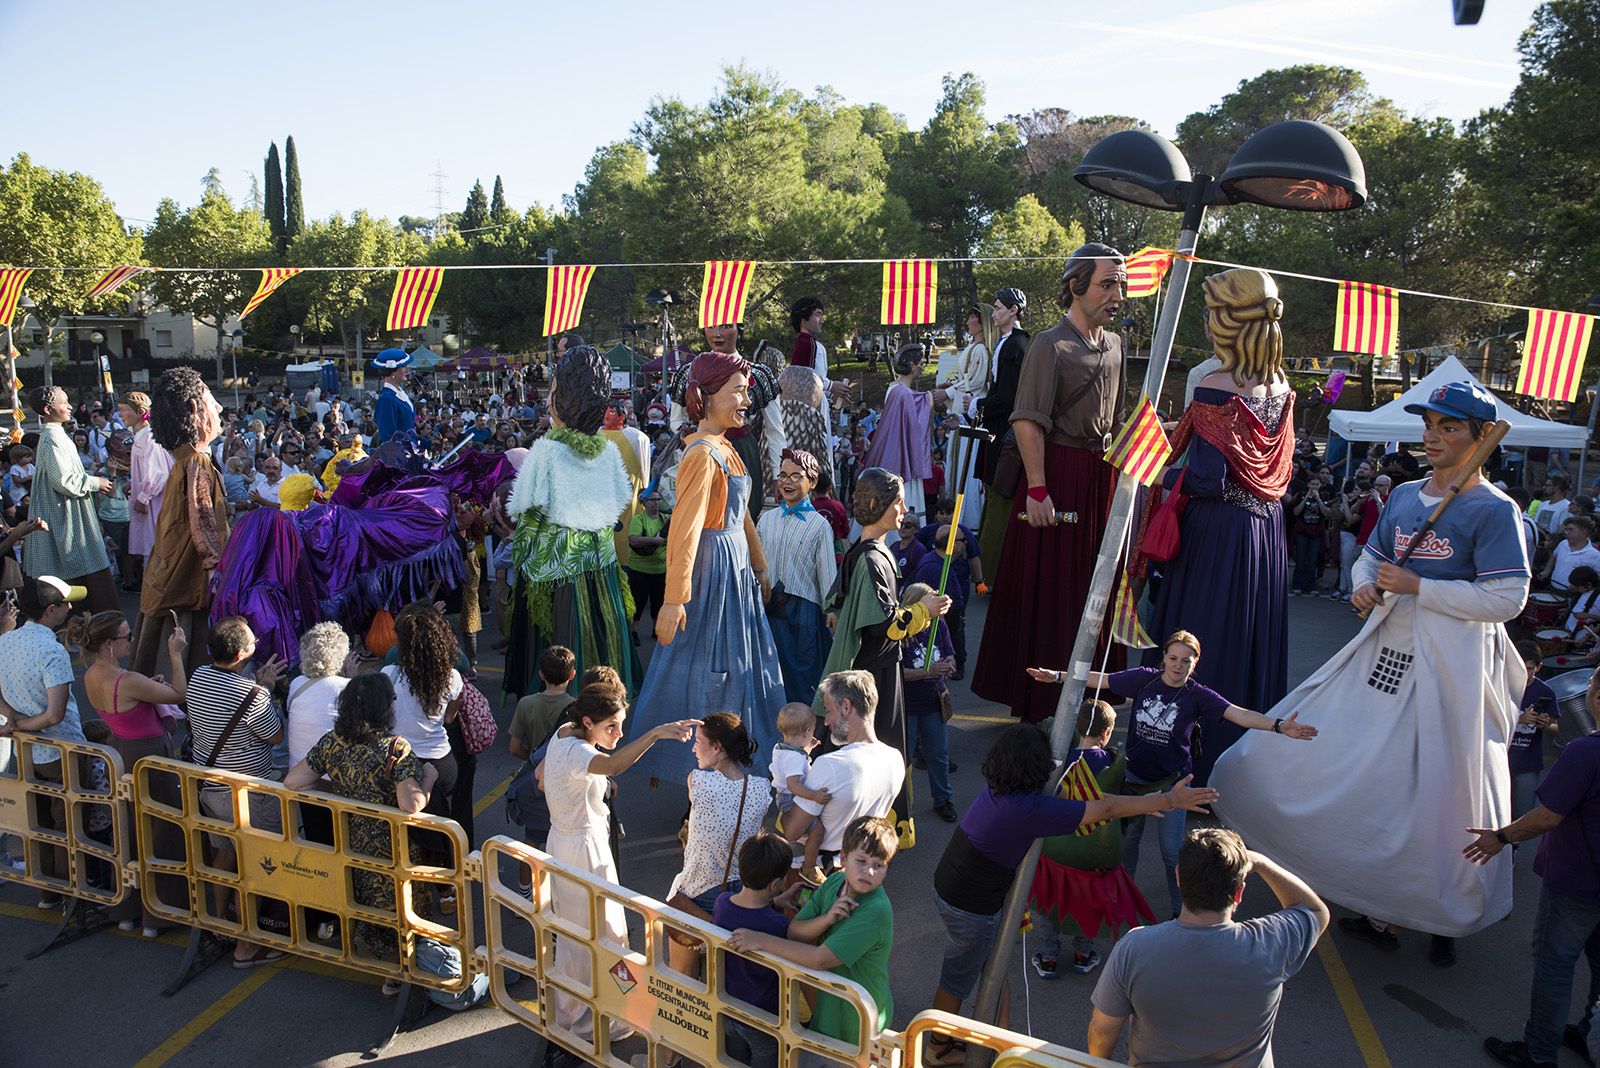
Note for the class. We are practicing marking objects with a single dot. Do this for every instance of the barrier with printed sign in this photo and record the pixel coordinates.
(1009, 1048)
(303, 885)
(61, 800)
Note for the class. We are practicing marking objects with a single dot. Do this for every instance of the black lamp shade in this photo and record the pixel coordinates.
(1138, 167)
(1594, 303)
(1298, 165)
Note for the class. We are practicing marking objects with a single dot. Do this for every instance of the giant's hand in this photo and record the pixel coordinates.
(1041, 513)
(669, 621)
(1366, 598)
(1395, 579)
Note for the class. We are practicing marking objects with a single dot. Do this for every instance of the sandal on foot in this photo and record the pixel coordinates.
(944, 1050)
(260, 957)
(392, 988)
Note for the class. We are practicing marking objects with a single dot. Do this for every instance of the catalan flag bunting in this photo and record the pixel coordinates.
(910, 291)
(271, 279)
(1146, 268)
(563, 299)
(12, 279)
(1552, 354)
(1079, 784)
(1141, 447)
(414, 293)
(1368, 319)
(113, 279)
(1125, 626)
(723, 291)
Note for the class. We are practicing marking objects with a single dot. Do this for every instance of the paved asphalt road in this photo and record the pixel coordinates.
(97, 1002)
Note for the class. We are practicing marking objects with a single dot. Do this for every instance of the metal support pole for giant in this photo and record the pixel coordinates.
(1094, 610)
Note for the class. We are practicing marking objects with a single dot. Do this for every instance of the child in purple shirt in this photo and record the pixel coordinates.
(1538, 715)
(763, 862)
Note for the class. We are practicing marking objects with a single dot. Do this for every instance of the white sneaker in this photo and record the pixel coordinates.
(126, 925)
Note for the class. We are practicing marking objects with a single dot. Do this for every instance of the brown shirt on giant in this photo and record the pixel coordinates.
(190, 533)
(1068, 389)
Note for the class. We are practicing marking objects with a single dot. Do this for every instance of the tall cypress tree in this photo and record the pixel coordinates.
(475, 216)
(294, 208)
(498, 211)
(275, 197)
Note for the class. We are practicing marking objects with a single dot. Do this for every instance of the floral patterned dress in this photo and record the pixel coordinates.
(368, 771)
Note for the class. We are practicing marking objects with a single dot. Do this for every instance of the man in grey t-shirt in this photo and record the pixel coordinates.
(1151, 971)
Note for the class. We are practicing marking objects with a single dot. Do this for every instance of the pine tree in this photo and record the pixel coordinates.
(275, 197)
(475, 216)
(499, 212)
(294, 209)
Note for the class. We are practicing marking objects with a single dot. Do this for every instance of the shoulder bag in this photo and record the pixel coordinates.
(681, 901)
(1161, 536)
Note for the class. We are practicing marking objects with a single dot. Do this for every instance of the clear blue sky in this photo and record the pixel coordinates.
(148, 97)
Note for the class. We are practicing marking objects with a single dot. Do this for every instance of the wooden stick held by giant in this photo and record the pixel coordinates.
(1474, 465)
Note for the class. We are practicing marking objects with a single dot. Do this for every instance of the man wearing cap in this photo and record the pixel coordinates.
(1415, 713)
(36, 695)
(394, 413)
(1005, 366)
(63, 496)
(1066, 401)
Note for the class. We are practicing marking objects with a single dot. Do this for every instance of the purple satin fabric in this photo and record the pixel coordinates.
(263, 576)
(473, 475)
(903, 441)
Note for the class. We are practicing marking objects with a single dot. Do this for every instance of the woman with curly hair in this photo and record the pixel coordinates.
(427, 694)
(715, 649)
(870, 622)
(192, 526)
(570, 491)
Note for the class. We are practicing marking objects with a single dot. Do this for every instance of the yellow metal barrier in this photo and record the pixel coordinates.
(593, 988)
(62, 800)
(1011, 1050)
(292, 881)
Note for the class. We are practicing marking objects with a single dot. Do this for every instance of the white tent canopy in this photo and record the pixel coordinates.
(1393, 423)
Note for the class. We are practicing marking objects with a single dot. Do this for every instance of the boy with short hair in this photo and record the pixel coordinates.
(1573, 551)
(763, 863)
(533, 724)
(847, 928)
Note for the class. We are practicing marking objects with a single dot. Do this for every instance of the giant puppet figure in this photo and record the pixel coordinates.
(1063, 415)
(569, 492)
(716, 650)
(1229, 583)
(1415, 713)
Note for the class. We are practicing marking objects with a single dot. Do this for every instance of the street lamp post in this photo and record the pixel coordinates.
(233, 350)
(1296, 165)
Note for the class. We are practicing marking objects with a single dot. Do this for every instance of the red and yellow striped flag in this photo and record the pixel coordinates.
(1367, 320)
(564, 296)
(1146, 269)
(12, 279)
(113, 279)
(1141, 447)
(1125, 626)
(1079, 784)
(415, 290)
(723, 290)
(1552, 354)
(271, 279)
(910, 292)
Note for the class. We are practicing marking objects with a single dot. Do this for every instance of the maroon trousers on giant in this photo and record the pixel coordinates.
(1042, 585)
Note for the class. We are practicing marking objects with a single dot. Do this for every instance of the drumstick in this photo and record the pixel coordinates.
(1474, 464)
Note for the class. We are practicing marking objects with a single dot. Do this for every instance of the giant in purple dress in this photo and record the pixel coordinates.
(1229, 583)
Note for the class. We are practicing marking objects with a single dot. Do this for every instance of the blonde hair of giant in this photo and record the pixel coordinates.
(1244, 313)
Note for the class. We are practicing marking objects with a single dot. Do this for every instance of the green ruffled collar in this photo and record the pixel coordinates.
(587, 446)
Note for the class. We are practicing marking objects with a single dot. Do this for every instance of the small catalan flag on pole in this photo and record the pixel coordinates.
(1125, 626)
(415, 290)
(1141, 447)
(113, 279)
(271, 279)
(12, 279)
(910, 292)
(563, 299)
(1552, 354)
(1368, 319)
(1146, 268)
(723, 292)
(1079, 784)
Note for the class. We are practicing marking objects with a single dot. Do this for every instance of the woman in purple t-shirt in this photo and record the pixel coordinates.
(1167, 706)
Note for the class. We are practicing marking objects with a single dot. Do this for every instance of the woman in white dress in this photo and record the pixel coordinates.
(147, 478)
(573, 774)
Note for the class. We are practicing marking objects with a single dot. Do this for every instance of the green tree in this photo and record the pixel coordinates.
(1027, 228)
(475, 216)
(294, 209)
(1337, 96)
(213, 233)
(59, 219)
(500, 309)
(595, 225)
(498, 211)
(274, 207)
(351, 301)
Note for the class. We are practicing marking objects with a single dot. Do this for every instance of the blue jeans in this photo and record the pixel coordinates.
(1565, 929)
(1307, 562)
(1169, 835)
(927, 732)
(755, 1047)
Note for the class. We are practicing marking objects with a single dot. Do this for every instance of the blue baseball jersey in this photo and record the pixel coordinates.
(1478, 537)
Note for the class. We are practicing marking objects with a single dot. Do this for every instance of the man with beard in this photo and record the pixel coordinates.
(1065, 411)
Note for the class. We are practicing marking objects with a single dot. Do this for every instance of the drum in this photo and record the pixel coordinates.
(1571, 689)
(1553, 640)
(1543, 611)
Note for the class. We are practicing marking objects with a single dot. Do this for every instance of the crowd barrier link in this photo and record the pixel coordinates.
(636, 988)
(303, 877)
(71, 816)
(1009, 1048)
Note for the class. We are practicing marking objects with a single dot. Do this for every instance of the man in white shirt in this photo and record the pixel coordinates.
(1575, 550)
(863, 774)
(1553, 510)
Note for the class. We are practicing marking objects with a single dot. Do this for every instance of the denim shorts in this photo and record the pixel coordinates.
(967, 938)
(708, 900)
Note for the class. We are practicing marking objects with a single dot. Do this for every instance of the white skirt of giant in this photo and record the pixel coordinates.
(1414, 715)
